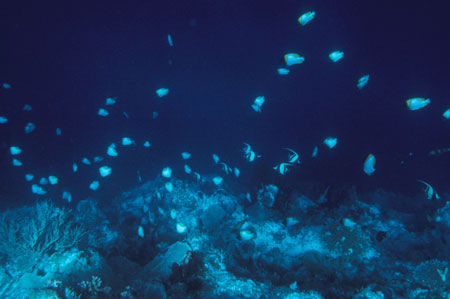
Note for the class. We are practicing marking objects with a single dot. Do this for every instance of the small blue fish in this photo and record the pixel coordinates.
(306, 17)
(127, 141)
(336, 55)
(197, 175)
(369, 164)
(283, 71)
(16, 162)
(166, 172)
(111, 151)
(216, 158)
(293, 156)
(330, 142)
(162, 92)
(66, 195)
(429, 191)
(30, 127)
(104, 171)
(52, 180)
(249, 154)
(168, 186)
(417, 103)
(185, 155)
(97, 159)
(103, 112)
(315, 152)
(225, 168)
(110, 101)
(217, 180)
(293, 58)
(36, 189)
(181, 228)
(94, 185)
(187, 169)
(446, 114)
(363, 81)
(282, 168)
(141, 231)
(15, 150)
(259, 101)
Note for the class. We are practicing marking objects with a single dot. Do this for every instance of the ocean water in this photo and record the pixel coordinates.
(64, 60)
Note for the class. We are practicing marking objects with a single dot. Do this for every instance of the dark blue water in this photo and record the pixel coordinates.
(66, 59)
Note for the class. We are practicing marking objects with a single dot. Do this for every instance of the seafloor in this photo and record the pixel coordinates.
(207, 241)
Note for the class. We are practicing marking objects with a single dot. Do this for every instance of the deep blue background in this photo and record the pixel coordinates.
(65, 59)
